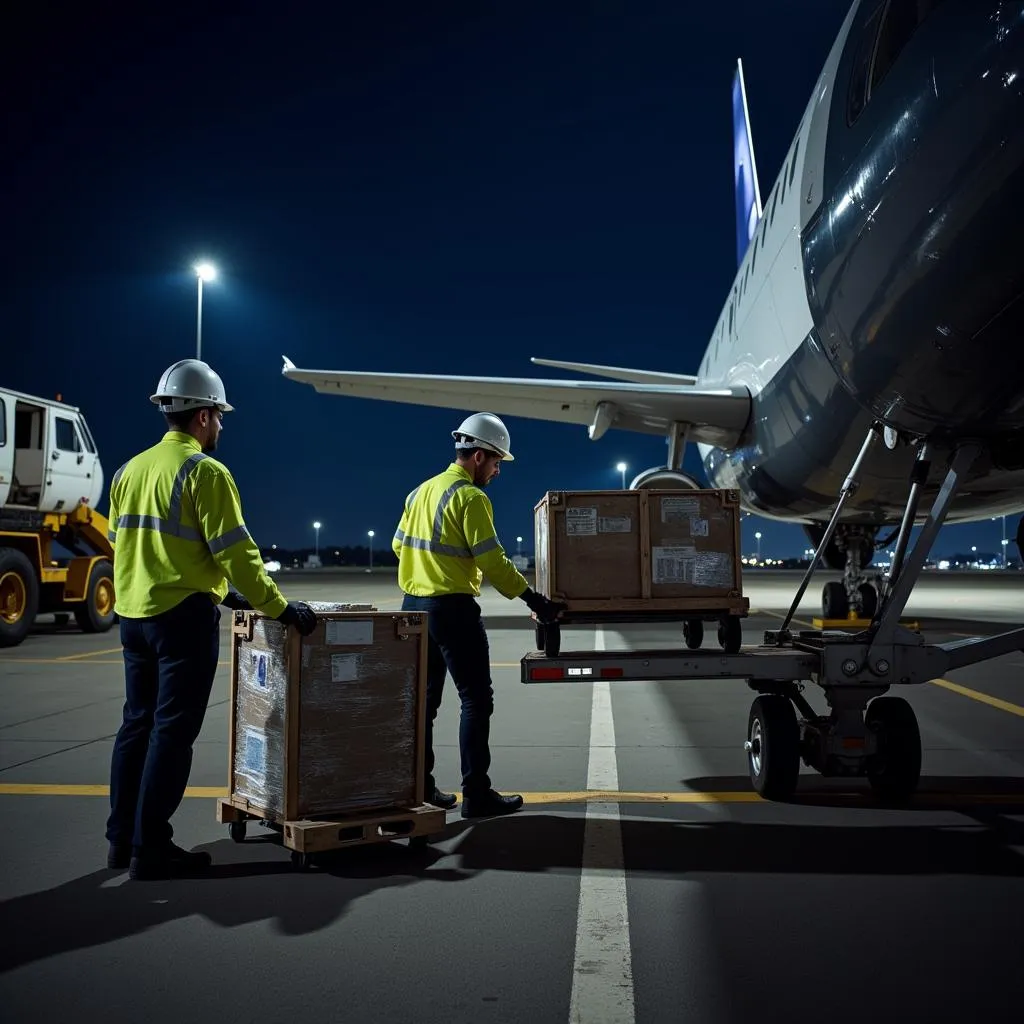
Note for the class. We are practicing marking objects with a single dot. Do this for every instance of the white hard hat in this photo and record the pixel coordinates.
(484, 430)
(190, 384)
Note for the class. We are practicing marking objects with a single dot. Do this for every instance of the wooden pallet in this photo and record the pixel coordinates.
(307, 838)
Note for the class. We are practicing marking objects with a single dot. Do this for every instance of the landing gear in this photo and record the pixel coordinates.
(865, 732)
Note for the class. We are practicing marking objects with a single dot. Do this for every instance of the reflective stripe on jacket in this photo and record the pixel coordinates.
(446, 541)
(177, 526)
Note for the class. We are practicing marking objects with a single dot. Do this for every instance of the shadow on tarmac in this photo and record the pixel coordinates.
(104, 906)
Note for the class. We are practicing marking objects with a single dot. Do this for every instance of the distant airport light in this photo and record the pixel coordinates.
(206, 271)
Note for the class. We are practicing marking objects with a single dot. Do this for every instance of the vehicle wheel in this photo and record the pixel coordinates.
(236, 829)
(868, 600)
(730, 634)
(19, 597)
(96, 614)
(693, 633)
(834, 602)
(895, 770)
(773, 746)
(301, 861)
(552, 640)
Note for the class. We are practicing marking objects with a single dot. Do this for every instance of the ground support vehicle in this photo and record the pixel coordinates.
(55, 549)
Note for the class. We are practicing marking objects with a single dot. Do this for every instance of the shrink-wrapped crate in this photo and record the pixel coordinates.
(330, 724)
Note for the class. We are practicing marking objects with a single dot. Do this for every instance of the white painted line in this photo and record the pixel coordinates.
(602, 970)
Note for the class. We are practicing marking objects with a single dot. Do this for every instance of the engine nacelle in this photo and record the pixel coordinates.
(661, 478)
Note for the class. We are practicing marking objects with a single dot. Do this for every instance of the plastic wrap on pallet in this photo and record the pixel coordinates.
(353, 746)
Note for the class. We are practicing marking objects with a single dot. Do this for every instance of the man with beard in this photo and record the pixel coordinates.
(176, 520)
(446, 543)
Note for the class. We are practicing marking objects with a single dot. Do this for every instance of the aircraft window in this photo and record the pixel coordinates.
(858, 94)
(792, 166)
(67, 439)
(3, 423)
(902, 19)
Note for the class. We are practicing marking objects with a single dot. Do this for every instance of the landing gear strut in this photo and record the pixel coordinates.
(855, 544)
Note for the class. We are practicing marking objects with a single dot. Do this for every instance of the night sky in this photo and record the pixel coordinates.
(444, 188)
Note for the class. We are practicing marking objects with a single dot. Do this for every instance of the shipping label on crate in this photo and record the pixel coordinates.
(349, 632)
(713, 569)
(581, 522)
(254, 757)
(673, 565)
(679, 510)
(615, 524)
(259, 663)
(344, 668)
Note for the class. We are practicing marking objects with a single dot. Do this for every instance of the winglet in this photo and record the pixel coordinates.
(748, 191)
(288, 364)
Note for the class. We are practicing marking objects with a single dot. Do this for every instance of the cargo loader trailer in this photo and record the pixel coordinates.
(867, 731)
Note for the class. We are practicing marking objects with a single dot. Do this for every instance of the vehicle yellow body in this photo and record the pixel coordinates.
(55, 555)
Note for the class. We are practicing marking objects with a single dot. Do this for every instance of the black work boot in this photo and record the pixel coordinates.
(489, 804)
(440, 799)
(168, 862)
(119, 856)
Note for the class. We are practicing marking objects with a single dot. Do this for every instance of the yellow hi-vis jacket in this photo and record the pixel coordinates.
(177, 527)
(446, 542)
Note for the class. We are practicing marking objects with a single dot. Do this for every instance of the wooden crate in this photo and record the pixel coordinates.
(328, 725)
(640, 552)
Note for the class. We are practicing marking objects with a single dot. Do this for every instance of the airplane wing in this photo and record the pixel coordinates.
(620, 372)
(716, 416)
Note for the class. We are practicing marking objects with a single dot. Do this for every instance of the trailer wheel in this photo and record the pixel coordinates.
(773, 746)
(895, 770)
(730, 634)
(693, 633)
(96, 614)
(19, 597)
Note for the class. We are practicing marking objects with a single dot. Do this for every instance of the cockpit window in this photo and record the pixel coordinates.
(902, 19)
(858, 95)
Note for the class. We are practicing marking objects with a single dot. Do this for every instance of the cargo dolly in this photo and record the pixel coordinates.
(865, 732)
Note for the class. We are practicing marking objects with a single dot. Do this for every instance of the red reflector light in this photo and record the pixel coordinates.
(611, 673)
(547, 673)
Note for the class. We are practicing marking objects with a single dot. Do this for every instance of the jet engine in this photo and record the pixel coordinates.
(661, 478)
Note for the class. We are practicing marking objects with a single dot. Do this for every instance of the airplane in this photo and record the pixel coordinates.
(879, 293)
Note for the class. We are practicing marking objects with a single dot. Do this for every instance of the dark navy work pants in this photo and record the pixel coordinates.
(169, 665)
(457, 643)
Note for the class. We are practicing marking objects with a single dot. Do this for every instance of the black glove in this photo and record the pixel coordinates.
(236, 602)
(544, 608)
(299, 615)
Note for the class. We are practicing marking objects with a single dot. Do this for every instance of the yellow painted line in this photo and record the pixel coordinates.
(795, 622)
(983, 698)
(89, 654)
(586, 795)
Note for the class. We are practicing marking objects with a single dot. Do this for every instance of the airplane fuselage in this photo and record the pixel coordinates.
(885, 281)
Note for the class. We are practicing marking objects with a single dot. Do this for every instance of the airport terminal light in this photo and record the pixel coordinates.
(519, 543)
(622, 467)
(316, 526)
(757, 537)
(204, 272)
(369, 533)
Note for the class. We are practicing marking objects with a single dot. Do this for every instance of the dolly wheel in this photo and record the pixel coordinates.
(236, 829)
(895, 770)
(552, 639)
(693, 633)
(773, 746)
(730, 634)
